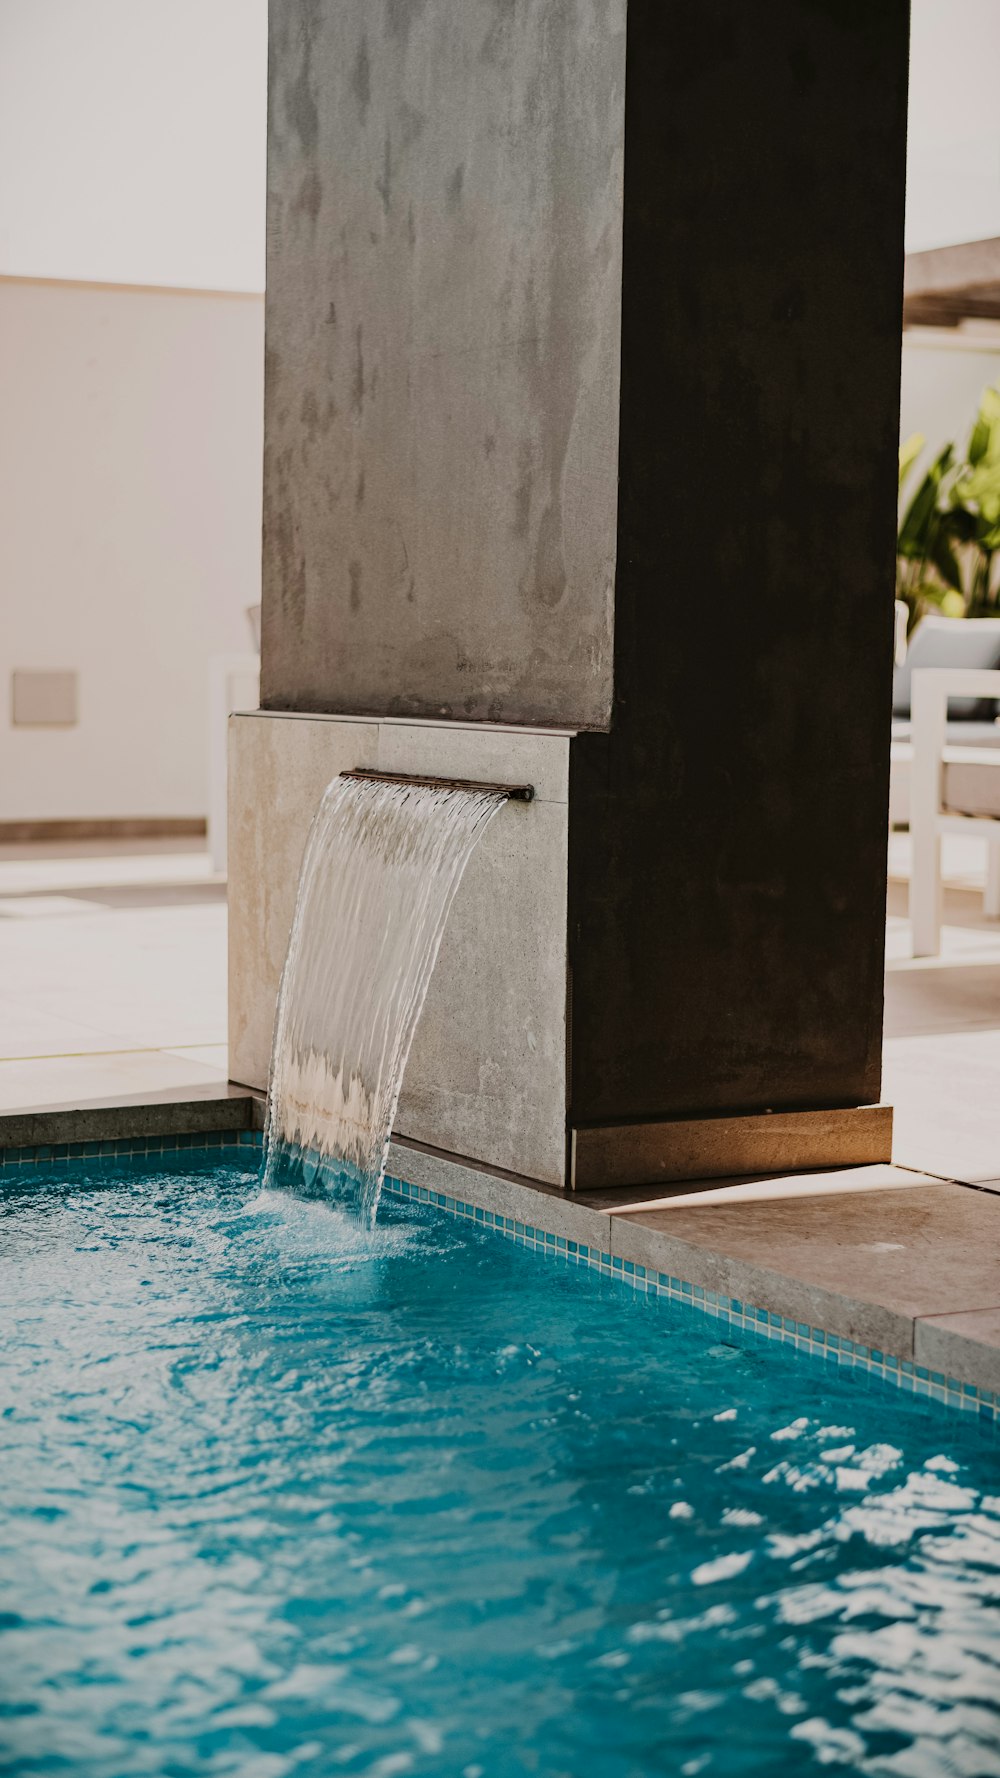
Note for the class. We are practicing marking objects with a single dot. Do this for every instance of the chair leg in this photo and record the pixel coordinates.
(929, 703)
(991, 898)
(925, 889)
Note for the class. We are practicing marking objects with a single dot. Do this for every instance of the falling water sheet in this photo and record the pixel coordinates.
(381, 867)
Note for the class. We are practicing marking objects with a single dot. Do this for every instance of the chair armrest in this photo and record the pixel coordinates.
(953, 682)
(930, 689)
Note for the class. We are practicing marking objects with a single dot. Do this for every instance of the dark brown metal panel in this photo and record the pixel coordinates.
(443, 325)
(727, 840)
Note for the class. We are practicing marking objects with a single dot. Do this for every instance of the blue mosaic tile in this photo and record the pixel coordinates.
(761, 1323)
(233, 1143)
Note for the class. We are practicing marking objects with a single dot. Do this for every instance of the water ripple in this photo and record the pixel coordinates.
(284, 1498)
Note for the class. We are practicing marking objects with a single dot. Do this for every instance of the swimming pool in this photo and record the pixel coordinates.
(277, 1497)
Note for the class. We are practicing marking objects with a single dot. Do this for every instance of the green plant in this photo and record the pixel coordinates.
(948, 543)
(927, 568)
(975, 508)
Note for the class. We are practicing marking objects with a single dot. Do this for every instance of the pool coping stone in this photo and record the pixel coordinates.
(176, 1111)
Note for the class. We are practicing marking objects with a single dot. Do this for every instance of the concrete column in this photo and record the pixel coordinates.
(583, 343)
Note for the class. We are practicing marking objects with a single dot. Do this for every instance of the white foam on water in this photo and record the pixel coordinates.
(310, 1228)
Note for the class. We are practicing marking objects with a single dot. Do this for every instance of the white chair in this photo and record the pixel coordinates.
(952, 790)
(939, 642)
(902, 618)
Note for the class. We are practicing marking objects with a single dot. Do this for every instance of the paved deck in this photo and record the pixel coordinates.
(112, 973)
(942, 1027)
(112, 965)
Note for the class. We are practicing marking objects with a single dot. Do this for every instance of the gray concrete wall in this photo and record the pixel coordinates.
(135, 415)
(486, 1076)
(443, 325)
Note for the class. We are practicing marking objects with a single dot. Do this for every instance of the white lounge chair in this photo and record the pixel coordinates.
(953, 789)
(939, 642)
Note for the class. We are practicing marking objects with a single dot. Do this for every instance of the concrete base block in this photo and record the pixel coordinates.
(486, 1076)
(715, 1147)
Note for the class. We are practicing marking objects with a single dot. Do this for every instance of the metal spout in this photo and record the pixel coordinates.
(515, 793)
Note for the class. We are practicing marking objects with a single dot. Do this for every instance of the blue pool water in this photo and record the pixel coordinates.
(280, 1498)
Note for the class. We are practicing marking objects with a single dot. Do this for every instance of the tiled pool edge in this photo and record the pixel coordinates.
(577, 1242)
(761, 1301)
(902, 1373)
(228, 1144)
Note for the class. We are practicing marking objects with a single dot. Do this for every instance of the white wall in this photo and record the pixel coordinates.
(953, 140)
(943, 375)
(130, 453)
(132, 141)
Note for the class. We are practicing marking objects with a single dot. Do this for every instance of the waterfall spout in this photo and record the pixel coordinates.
(380, 870)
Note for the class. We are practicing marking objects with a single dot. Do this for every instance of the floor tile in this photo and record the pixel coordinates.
(39, 1083)
(27, 1029)
(30, 870)
(44, 907)
(212, 1055)
(502, 1193)
(164, 1111)
(945, 1091)
(86, 981)
(141, 977)
(943, 997)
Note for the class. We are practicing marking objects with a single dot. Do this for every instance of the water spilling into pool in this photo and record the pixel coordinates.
(285, 1497)
(380, 871)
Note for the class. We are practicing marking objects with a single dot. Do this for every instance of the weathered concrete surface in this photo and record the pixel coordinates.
(278, 772)
(487, 1071)
(443, 328)
(486, 1075)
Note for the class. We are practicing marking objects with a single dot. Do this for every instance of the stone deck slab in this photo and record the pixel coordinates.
(865, 1260)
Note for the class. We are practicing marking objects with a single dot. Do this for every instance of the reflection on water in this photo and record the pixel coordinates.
(281, 1495)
